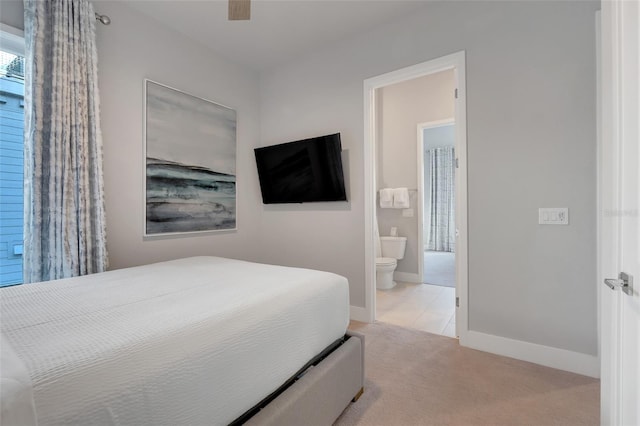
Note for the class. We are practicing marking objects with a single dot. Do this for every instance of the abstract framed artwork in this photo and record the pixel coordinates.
(190, 163)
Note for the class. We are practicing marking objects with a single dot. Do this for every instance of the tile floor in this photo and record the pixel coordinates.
(421, 306)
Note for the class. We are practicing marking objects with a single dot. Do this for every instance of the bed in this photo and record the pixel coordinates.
(202, 340)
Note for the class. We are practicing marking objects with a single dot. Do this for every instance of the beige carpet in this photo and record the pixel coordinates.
(418, 378)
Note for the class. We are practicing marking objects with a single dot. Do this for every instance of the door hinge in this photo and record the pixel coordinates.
(455, 93)
(457, 302)
(457, 164)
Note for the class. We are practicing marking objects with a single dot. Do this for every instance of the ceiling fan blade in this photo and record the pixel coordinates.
(239, 10)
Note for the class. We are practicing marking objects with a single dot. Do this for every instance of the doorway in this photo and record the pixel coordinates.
(436, 197)
(455, 62)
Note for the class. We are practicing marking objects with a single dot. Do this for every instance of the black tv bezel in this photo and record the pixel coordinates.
(337, 170)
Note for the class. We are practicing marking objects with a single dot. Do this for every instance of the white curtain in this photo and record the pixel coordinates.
(64, 217)
(442, 225)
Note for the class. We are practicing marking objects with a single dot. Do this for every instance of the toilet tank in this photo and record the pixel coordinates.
(393, 246)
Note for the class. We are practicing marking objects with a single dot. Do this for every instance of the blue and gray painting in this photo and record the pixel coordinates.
(184, 198)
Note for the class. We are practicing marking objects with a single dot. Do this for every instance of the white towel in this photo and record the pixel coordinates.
(401, 198)
(386, 198)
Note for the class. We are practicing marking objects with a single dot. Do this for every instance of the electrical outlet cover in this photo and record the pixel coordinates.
(553, 216)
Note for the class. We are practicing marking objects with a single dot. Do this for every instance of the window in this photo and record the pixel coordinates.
(11, 154)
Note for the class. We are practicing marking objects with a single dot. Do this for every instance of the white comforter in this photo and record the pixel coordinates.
(192, 341)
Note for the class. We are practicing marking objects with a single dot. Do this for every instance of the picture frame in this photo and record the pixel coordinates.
(189, 163)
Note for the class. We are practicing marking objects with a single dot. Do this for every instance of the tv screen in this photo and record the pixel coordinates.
(304, 171)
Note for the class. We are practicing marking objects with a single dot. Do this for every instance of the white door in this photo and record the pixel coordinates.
(619, 193)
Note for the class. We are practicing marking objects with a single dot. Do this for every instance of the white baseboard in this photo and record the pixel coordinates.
(562, 359)
(406, 277)
(358, 314)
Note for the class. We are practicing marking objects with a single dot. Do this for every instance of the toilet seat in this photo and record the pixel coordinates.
(386, 261)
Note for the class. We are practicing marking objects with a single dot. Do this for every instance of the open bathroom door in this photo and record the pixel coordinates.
(619, 215)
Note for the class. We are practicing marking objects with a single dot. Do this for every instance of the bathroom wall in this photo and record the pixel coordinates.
(401, 108)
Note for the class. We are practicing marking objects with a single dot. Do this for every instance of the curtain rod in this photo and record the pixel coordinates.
(103, 18)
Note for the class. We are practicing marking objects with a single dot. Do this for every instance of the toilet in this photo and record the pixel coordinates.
(388, 251)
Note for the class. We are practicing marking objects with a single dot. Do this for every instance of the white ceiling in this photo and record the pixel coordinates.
(278, 30)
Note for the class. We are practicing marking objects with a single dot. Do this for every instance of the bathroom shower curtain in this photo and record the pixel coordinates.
(442, 223)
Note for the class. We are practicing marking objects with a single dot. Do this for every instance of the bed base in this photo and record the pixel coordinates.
(320, 395)
(358, 395)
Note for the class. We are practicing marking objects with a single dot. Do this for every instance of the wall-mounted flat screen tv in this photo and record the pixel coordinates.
(303, 171)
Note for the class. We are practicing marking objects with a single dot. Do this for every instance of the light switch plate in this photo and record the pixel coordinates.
(553, 216)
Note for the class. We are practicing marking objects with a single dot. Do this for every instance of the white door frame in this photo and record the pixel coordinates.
(421, 188)
(455, 61)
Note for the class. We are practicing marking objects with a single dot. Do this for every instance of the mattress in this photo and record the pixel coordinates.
(190, 341)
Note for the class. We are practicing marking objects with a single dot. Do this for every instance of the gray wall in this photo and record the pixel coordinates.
(12, 13)
(437, 137)
(531, 143)
(135, 47)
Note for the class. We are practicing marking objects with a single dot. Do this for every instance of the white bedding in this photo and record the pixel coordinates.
(192, 341)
